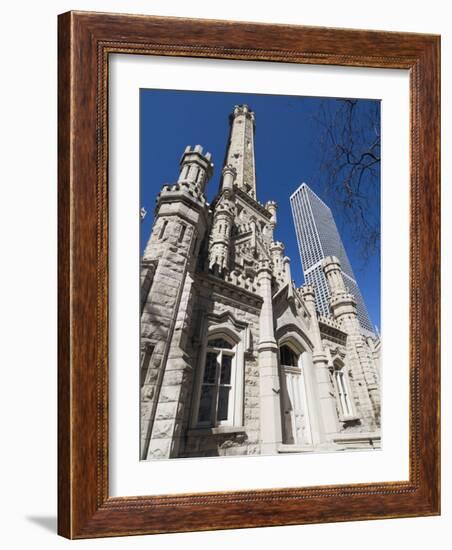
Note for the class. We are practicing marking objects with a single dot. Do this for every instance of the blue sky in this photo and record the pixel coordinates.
(287, 149)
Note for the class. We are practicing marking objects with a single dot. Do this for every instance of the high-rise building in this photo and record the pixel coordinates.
(318, 238)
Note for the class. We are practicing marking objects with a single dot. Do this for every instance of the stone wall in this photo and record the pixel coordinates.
(238, 440)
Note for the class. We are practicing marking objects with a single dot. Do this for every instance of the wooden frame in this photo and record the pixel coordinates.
(85, 42)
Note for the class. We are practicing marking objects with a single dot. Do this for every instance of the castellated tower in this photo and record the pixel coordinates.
(168, 265)
(240, 153)
(235, 359)
(364, 371)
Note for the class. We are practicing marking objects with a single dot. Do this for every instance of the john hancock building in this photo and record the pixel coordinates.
(235, 358)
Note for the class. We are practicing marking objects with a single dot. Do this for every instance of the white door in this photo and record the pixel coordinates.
(295, 409)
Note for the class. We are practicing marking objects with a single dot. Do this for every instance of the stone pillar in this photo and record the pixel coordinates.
(313, 399)
(327, 424)
(288, 276)
(223, 219)
(277, 253)
(229, 175)
(272, 207)
(270, 388)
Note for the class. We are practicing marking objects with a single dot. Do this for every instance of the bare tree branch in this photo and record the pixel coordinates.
(350, 166)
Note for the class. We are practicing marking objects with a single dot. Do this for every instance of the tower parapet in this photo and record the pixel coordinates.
(245, 111)
(308, 293)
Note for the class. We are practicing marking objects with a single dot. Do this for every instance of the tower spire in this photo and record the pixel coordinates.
(240, 153)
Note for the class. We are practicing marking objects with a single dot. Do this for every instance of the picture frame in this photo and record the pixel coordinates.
(86, 40)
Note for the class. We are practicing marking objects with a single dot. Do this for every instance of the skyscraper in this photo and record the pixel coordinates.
(317, 238)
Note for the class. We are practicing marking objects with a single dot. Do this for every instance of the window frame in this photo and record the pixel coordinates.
(301, 397)
(339, 370)
(213, 422)
(147, 352)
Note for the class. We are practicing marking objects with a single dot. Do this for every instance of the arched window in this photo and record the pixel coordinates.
(342, 387)
(288, 357)
(216, 398)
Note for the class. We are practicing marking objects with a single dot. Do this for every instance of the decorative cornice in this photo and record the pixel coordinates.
(229, 290)
(256, 205)
(332, 331)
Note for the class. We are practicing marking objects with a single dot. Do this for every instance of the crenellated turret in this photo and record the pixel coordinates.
(272, 207)
(174, 222)
(195, 167)
(277, 252)
(342, 303)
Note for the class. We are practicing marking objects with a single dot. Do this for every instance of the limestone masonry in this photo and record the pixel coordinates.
(235, 358)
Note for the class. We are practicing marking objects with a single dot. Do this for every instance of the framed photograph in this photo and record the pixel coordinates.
(248, 275)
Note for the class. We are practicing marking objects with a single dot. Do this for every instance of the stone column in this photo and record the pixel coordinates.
(327, 424)
(270, 388)
(288, 276)
(312, 399)
(272, 207)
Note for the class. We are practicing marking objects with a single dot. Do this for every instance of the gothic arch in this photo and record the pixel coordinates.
(296, 338)
(219, 331)
(293, 348)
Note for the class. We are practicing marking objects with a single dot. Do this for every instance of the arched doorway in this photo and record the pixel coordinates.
(296, 426)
